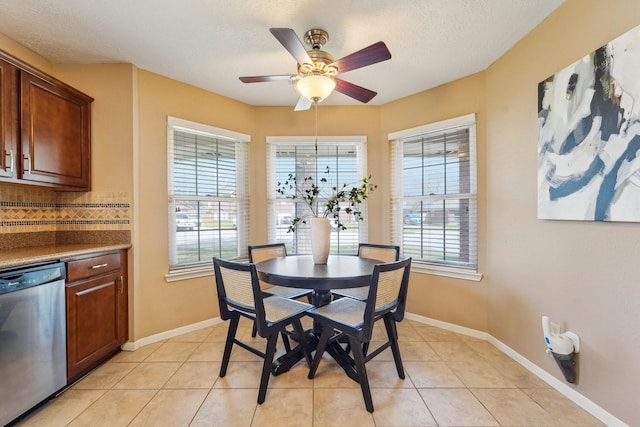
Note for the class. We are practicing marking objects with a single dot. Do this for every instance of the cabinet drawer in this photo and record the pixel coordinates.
(88, 267)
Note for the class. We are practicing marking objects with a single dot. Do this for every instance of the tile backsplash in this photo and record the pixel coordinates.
(26, 210)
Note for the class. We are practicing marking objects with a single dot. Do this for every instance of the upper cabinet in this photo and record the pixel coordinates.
(8, 119)
(46, 129)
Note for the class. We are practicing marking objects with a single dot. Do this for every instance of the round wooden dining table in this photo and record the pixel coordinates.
(299, 271)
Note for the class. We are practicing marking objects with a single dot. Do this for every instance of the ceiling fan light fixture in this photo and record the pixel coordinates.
(315, 87)
(317, 70)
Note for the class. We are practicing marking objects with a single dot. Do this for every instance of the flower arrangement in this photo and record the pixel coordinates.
(344, 198)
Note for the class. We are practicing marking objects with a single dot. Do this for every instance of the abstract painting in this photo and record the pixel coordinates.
(589, 136)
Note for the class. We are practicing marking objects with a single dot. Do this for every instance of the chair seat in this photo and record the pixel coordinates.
(357, 293)
(278, 308)
(285, 291)
(346, 311)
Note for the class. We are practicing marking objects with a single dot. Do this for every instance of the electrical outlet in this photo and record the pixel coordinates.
(554, 328)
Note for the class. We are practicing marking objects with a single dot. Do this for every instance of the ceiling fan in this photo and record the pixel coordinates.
(317, 70)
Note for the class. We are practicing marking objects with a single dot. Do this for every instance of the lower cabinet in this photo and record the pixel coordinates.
(97, 306)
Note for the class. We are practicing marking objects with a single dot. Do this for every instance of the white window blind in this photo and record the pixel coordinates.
(345, 158)
(208, 198)
(434, 193)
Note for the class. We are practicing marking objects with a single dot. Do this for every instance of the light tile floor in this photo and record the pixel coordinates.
(451, 380)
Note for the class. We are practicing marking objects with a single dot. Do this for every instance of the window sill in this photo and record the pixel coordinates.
(455, 273)
(189, 273)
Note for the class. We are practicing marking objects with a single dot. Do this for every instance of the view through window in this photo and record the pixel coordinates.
(339, 162)
(207, 197)
(435, 196)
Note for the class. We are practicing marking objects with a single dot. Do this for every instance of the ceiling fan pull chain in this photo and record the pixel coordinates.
(316, 139)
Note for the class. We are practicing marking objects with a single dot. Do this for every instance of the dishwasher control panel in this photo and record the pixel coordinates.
(28, 276)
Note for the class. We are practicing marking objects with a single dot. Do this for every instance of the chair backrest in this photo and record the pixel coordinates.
(387, 293)
(259, 253)
(383, 253)
(238, 289)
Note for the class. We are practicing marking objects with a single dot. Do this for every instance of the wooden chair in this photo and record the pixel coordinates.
(382, 253)
(259, 253)
(354, 319)
(239, 294)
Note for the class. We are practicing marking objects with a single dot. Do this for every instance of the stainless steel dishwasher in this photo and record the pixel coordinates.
(33, 342)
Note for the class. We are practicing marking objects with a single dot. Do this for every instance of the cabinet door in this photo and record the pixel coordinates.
(55, 128)
(93, 322)
(8, 120)
(123, 299)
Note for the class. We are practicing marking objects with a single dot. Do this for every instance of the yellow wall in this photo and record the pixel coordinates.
(162, 306)
(582, 274)
(460, 302)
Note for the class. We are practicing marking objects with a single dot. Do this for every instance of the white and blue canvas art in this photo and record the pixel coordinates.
(589, 136)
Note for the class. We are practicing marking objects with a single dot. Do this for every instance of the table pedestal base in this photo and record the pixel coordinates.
(287, 361)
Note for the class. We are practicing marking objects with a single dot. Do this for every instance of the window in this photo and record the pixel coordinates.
(345, 159)
(434, 197)
(207, 170)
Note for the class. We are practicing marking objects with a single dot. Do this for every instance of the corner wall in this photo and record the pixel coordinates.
(582, 274)
(460, 302)
(162, 306)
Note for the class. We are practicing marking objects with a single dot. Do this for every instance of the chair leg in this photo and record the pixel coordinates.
(231, 334)
(267, 366)
(302, 342)
(322, 345)
(392, 334)
(358, 358)
(254, 329)
(285, 341)
(365, 348)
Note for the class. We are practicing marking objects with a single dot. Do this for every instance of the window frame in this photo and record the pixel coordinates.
(241, 141)
(396, 140)
(358, 141)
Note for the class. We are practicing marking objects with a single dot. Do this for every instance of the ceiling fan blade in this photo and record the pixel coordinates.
(302, 104)
(354, 91)
(257, 79)
(288, 38)
(377, 52)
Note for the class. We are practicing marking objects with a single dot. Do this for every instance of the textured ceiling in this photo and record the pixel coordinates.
(210, 43)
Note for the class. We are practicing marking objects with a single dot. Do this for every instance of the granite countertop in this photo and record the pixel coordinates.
(38, 254)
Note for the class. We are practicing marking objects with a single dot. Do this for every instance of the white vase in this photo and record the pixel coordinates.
(320, 240)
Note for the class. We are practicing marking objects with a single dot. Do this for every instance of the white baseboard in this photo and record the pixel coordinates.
(132, 346)
(448, 326)
(558, 385)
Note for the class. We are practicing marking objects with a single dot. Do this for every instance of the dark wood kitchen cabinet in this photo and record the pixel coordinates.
(46, 129)
(8, 119)
(97, 310)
